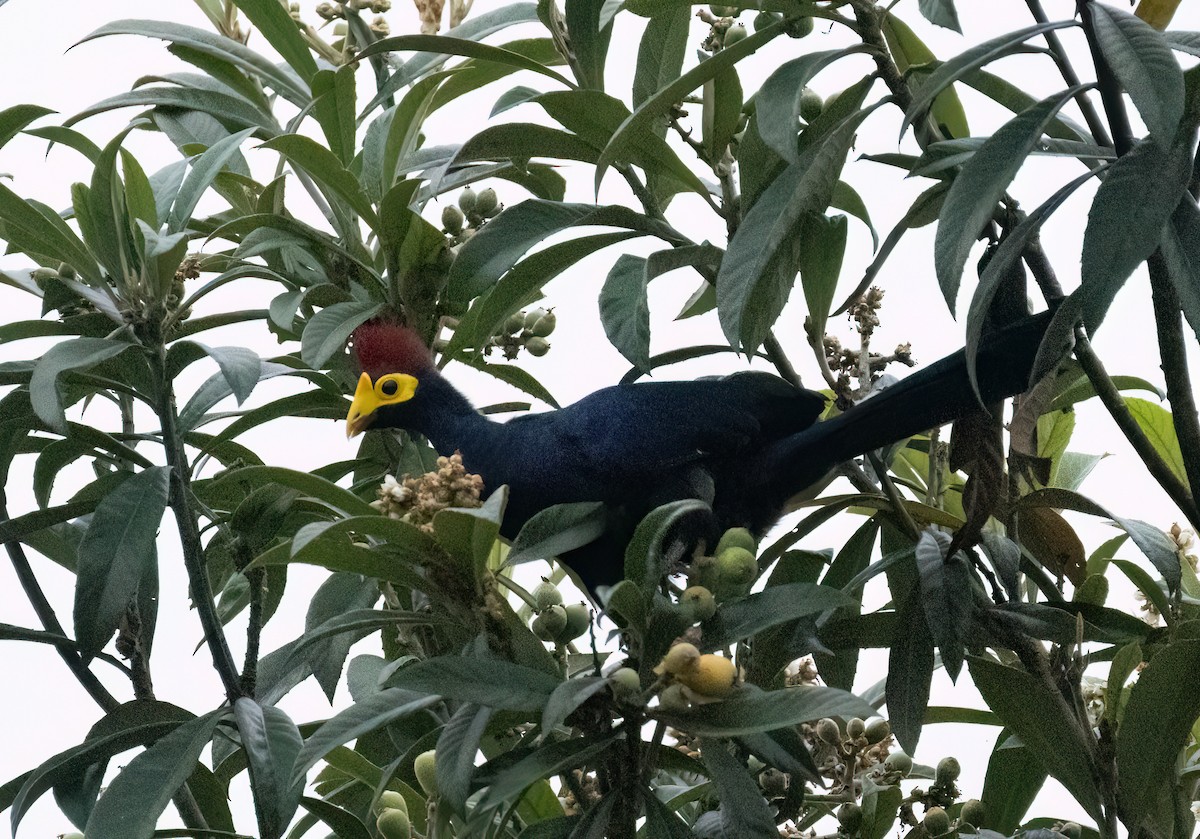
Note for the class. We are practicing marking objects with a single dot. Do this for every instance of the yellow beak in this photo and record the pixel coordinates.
(362, 408)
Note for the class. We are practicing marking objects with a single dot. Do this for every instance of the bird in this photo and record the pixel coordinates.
(746, 443)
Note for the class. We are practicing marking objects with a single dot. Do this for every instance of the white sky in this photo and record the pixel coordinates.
(45, 711)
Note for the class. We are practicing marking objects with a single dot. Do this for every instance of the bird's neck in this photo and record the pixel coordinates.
(449, 421)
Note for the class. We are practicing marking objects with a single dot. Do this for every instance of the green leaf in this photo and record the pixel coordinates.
(946, 593)
(25, 229)
(133, 801)
(750, 710)
(997, 270)
(129, 725)
(1124, 664)
(644, 560)
(589, 35)
(955, 68)
(661, 52)
(456, 749)
(625, 309)
(343, 823)
(880, 805)
(115, 554)
(971, 201)
(1039, 716)
(777, 103)
(1142, 61)
(489, 682)
(469, 533)
(1158, 719)
(721, 112)
(910, 670)
(743, 810)
(522, 141)
(1013, 780)
(203, 171)
(213, 44)
(334, 101)
(1158, 425)
(740, 619)
(640, 121)
(1181, 251)
(821, 266)
(374, 712)
(282, 33)
(446, 45)
(338, 594)
(548, 761)
(557, 529)
(940, 13)
(229, 109)
(342, 500)
(325, 167)
(327, 332)
(759, 268)
(568, 696)
(13, 119)
(520, 286)
(515, 376)
(271, 742)
(912, 56)
(240, 366)
(500, 244)
(1126, 220)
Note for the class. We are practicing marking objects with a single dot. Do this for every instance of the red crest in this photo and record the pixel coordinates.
(382, 347)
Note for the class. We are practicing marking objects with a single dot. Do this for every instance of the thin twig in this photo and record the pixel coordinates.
(1063, 60)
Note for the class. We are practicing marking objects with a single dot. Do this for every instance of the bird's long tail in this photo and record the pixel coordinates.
(931, 397)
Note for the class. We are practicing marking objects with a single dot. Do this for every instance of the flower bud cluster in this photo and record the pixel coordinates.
(417, 500)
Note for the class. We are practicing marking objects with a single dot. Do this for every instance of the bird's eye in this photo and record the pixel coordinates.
(389, 387)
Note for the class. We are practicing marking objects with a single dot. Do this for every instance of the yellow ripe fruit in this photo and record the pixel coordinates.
(680, 659)
(394, 824)
(425, 768)
(389, 799)
(713, 676)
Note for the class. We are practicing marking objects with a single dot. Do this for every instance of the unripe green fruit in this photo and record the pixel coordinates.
(936, 821)
(736, 537)
(799, 27)
(425, 768)
(537, 347)
(877, 730)
(673, 698)
(697, 604)
(467, 200)
(546, 595)
(811, 104)
(947, 771)
(66, 271)
(340, 29)
(737, 567)
(828, 731)
(1093, 590)
(1071, 830)
(724, 11)
(452, 219)
(855, 728)
(515, 323)
(549, 623)
(544, 325)
(972, 812)
(850, 817)
(625, 682)
(764, 19)
(735, 33)
(533, 316)
(74, 834)
(579, 618)
(899, 762)
(773, 782)
(389, 799)
(486, 203)
(394, 824)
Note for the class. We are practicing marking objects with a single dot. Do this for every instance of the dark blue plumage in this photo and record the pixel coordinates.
(745, 443)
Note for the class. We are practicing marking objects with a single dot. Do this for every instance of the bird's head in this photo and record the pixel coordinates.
(393, 361)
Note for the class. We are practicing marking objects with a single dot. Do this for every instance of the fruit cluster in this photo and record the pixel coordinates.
(552, 621)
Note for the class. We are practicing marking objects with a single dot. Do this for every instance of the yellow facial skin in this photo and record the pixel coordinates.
(370, 396)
